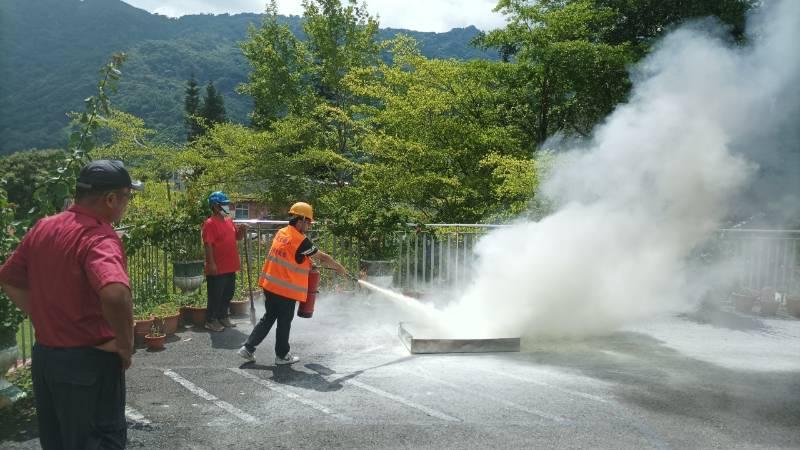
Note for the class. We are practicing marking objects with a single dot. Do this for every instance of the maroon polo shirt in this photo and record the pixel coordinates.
(64, 261)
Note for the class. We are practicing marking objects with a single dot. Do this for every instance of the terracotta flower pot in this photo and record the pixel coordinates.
(793, 305)
(196, 315)
(140, 329)
(768, 307)
(155, 342)
(239, 307)
(170, 324)
(743, 302)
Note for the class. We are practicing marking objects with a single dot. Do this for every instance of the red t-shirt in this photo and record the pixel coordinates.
(64, 261)
(220, 234)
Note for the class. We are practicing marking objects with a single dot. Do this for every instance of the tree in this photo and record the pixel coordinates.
(213, 109)
(295, 77)
(22, 172)
(191, 106)
(435, 145)
(280, 80)
(572, 56)
(339, 38)
(566, 76)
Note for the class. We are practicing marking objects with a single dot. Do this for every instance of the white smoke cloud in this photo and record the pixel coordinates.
(659, 176)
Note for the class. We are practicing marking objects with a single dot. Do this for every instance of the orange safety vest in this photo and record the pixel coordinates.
(281, 274)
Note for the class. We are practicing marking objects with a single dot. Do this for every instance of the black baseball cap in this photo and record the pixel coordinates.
(104, 174)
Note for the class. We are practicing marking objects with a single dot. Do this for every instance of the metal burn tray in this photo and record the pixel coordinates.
(420, 340)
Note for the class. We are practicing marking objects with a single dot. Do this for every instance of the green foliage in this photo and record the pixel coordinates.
(156, 328)
(340, 38)
(572, 56)
(175, 230)
(18, 422)
(58, 43)
(10, 233)
(58, 188)
(166, 309)
(191, 106)
(23, 172)
(213, 109)
(280, 79)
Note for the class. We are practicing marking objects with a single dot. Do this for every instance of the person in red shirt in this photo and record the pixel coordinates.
(69, 274)
(222, 261)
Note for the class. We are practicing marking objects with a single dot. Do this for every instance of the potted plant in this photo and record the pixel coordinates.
(154, 339)
(744, 299)
(188, 261)
(10, 315)
(240, 306)
(192, 308)
(10, 318)
(793, 303)
(142, 320)
(169, 314)
(768, 306)
(176, 231)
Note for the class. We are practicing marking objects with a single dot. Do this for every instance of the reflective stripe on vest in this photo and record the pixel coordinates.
(286, 284)
(281, 274)
(292, 267)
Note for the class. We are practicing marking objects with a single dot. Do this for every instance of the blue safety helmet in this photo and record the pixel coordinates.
(218, 198)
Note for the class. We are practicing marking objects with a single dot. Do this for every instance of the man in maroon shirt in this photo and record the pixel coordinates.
(222, 261)
(69, 274)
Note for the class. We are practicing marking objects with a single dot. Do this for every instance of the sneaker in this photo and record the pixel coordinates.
(214, 325)
(246, 354)
(226, 322)
(288, 359)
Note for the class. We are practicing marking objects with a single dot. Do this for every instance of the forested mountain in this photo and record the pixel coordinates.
(50, 51)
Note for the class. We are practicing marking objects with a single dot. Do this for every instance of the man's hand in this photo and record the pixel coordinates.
(125, 356)
(113, 347)
(212, 268)
(241, 231)
(115, 299)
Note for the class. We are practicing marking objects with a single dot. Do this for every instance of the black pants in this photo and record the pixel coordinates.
(220, 293)
(80, 398)
(280, 309)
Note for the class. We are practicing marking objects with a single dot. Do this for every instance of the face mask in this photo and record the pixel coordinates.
(224, 209)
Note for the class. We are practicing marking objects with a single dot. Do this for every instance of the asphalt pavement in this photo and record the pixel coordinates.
(705, 380)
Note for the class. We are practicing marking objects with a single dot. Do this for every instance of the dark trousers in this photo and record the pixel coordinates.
(220, 293)
(80, 398)
(280, 309)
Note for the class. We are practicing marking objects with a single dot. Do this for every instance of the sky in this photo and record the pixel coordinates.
(418, 15)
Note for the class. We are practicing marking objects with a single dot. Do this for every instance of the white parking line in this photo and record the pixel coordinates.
(135, 416)
(274, 387)
(422, 373)
(543, 384)
(370, 349)
(210, 397)
(397, 398)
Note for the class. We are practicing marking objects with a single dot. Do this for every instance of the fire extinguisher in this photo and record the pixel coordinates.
(306, 309)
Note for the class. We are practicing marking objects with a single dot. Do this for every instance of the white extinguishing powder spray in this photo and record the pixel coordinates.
(656, 180)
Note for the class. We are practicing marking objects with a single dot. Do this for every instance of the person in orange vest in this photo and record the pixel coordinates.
(284, 279)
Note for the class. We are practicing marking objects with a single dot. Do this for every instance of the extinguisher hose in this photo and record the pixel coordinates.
(350, 276)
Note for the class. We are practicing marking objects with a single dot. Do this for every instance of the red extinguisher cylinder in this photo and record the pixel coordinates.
(306, 308)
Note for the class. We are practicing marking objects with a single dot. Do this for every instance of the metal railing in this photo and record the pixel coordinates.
(763, 258)
(441, 254)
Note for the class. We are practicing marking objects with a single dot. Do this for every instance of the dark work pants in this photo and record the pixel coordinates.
(280, 309)
(80, 398)
(220, 292)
